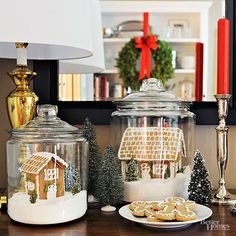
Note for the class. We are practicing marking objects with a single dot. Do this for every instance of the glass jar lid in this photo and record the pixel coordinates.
(152, 94)
(46, 122)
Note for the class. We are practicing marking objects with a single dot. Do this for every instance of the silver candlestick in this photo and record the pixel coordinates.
(222, 196)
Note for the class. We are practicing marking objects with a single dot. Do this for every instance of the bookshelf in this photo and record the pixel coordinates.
(199, 16)
(177, 71)
(169, 40)
(46, 81)
(195, 13)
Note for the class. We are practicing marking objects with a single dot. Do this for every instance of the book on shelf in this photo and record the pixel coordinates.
(101, 87)
(118, 91)
(89, 87)
(65, 87)
(61, 85)
(83, 87)
(75, 87)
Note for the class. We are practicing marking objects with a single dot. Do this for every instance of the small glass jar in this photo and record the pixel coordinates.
(47, 170)
(153, 135)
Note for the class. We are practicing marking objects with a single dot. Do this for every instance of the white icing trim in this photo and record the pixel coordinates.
(26, 189)
(48, 157)
(174, 130)
(188, 213)
(37, 185)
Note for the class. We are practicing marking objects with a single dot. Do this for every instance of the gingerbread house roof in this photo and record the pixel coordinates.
(152, 143)
(38, 161)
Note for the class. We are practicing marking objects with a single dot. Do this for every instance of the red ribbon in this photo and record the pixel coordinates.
(146, 43)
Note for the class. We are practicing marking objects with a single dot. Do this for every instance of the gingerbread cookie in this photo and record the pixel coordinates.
(177, 209)
(139, 211)
(135, 204)
(152, 218)
(138, 208)
(167, 212)
(175, 199)
(174, 208)
(152, 208)
(185, 211)
(142, 208)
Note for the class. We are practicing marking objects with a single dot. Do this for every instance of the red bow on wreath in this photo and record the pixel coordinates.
(146, 43)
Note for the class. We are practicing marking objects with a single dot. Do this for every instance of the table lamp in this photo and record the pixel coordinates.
(95, 63)
(51, 30)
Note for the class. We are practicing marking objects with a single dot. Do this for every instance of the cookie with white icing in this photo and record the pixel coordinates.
(152, 218)
(177, 210)
(152, 208)
(172, 209)
(135, 204)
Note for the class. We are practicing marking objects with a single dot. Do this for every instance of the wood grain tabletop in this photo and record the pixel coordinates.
(96, 223)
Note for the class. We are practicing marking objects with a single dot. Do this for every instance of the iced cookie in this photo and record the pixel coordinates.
(152, 208)
(135, 204)
(152, 218)
(138, 208)
(175, 199)
(139, 211)
(142, 208)
(167, 213)
(177, 210)
(185, 211)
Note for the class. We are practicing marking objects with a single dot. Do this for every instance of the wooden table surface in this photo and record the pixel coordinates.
(96, 223)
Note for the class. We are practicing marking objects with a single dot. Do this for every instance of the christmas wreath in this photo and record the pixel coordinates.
(127, 63)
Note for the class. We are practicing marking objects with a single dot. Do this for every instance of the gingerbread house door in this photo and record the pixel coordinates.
(145, 170)
(52, 192)
(172, 170)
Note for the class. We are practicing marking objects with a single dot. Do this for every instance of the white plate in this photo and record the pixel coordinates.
(203, 213)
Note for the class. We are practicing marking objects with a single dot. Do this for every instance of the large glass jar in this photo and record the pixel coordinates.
(153, 135)
(47, 170)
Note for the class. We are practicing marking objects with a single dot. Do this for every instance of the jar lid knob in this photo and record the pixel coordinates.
(152, 84)
(47, 110)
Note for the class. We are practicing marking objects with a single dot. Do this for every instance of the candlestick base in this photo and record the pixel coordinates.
(231, 200)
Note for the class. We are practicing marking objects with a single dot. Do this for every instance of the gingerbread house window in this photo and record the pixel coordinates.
(158, 169)
(51, 174)
(30, 186)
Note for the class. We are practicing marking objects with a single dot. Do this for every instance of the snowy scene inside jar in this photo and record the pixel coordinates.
(154, 139)
(46, 181)
(155, 154)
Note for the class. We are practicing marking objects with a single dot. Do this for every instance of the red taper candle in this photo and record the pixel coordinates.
(145, 24)
(223, 47)
(199, 71)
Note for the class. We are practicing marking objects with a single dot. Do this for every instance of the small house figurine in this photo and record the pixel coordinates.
(157, 150)
(44, 175)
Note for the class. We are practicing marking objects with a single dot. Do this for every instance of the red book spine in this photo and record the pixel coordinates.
(199, 72)
(223, 47)
(105, 88)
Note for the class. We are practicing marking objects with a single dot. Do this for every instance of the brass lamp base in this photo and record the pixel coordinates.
(21, 102)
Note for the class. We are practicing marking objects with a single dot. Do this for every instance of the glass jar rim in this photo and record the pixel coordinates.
(46, 123)
(152, 95)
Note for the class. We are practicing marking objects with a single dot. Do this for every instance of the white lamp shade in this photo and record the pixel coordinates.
(54, 29)
(95, 63)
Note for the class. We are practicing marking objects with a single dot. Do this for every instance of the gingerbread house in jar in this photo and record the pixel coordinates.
(158, 151)
(44, 174)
